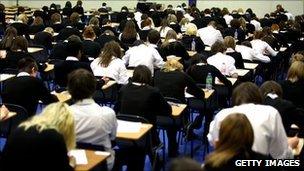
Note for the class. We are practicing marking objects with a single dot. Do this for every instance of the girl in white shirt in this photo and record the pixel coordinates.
(260, 46)
(110, 65)
(164, 28)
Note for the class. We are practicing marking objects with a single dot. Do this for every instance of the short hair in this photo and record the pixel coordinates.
(172, 65)
(74, 45)
(38, 21)
(296, 71)
(258, 35)
(146, 22)
(235, 23)
(142, 74)
(229, 42)
(27, 64)
(246, 92)
(74, 18)
(105, 21)
(153, 36)
(89, 32)
(22, 17)
(218, 46)
(271, 87)
(57, 116)
(94, 21)
(19, 43)
(184, 164)
(49, 30)
(81, 84)
(191, 29)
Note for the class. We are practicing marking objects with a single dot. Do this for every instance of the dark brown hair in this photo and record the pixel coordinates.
(142, 74)
(89, 32)
(218, 46)
(271, 87)
(26, 65)
(74, 18)
(38, 21)
(184, 164)
(129, 31)
(111, 49)
(9, 36)
(81, 84)
(55, 18)
(246, 92)
(19, 43)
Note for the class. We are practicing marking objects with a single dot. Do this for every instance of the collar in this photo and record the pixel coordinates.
(201, 64)
(229, 50)
(23, 74)
(272, 96)
(85, 101)
(138, 84)
(146, 28)
(57, 22)
(153, 45)
(171, 40)
(71, 58)
(89, 39)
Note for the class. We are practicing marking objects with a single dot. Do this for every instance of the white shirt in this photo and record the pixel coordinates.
(20, 74)
(210, 35)
(164, 31)
(269, 134)
(71, 58)
(257, 25)
(143, 55)
(262, 47)
(228, 19)
(249, 54)
(223, 63)
(95, 124)
(115, 70)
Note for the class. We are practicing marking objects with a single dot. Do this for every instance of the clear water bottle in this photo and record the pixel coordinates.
(193, 45)
(209, 81)
(235, 35)
(223, 68)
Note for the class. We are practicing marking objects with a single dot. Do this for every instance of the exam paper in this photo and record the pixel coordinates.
(128, 127)
(80, 156)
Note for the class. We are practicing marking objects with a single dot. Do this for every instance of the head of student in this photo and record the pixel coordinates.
(19, 44)
(55, 116)
(68, 4)
(38, 21)
(74, 46)
(28, 65)
(191, 29)
(258, 35)
(218, 46)
(184, 164)
(74, 18)
(229, 42)
(235, 23)
(94, 21)
(23, 18)
(172, 65)
(9, 36)
(89, 33)
(79, 3)
(129, 30)
(142, 75)
(296, 71)
(271, 87)
(153, 37)
(235, 136)
(81, 84)
(245, 93)
(110, 50)
(56, 18)
(297, 57)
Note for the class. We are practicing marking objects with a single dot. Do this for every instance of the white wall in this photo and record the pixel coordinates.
(260, 7)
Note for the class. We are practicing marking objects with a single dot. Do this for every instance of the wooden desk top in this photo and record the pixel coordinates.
(49, 67)
(192, 53)
(10, 114)
(4, 77)
(251, 66)
(62, 96)
(94, 158)
(135, 135)
(109, 84)
(177, 109)
(242, 72)
(232, 80)
(34, 49)
(208, 93)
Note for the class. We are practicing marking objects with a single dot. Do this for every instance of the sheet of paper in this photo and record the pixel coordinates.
(80, 156)
(128, 127)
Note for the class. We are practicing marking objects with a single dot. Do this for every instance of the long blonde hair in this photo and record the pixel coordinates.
(56, 116)
(235, 136)
(296, 71)
(171, 34)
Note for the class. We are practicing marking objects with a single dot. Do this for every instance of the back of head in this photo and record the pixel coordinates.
(89, 33)
(2, 7)
(191, 29)
(229, 42)
(10, 34)
(94, 21)
(218, 46)
(68, 4)
(74, 18)
(235, 23)
(258, 35)
(38, 21)
(153, 36)
(56, 18)
(74, 46)
(110, 50)
(172, 65)
(27, 65)
(142, 74)
(184, 164)
(245, 93)
(49, 30)
(81, 84)
(296, 71)
(56, 116)
(23, 18)
(271, 87)
(212, 23)
(235, 137)
(19, 43)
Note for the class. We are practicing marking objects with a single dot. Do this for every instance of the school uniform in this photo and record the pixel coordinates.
(263, 48)
(67, 32)
(250, 54)
(91, 48)
(294, 92)
(239, 63)
(199, 44)
(43, 38)
(210, 35)
(224, 63)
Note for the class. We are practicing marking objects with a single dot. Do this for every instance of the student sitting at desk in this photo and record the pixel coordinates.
(90, 47)
(139, 98)
(37, 26)
(26, 90)
(21, 26)
(110, 65)
(224, 63)
(230, 44)
(94, 124)
(45, 38)
(42, 142)
(56, 22)
(129, 34)
(9, 36)
(74, 50)
(190, 39)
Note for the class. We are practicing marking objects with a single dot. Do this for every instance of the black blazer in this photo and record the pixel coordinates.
(62, 70)
(91, 48)
(175, 48)
(143, 34)
(22, 29)
(173, 84)
(26, 91)
(103, 39)
(241, 35)
(200, 23)
(13, 57)
(239, 63)
(36, 28)
(176, 27)
(294, 92)
(59, 51)
(199, 44)
(57, 27)
(67, 32)
(47, 148)
(44, 38)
